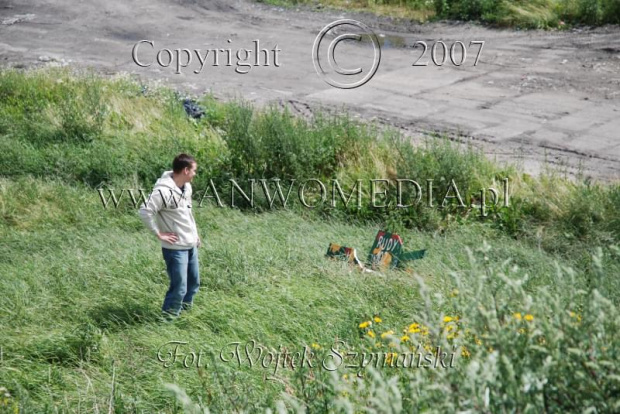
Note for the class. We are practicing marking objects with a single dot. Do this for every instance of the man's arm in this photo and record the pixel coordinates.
(148, 210)
(147, 213)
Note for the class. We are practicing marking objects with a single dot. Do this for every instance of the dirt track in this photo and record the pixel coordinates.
(537, 98)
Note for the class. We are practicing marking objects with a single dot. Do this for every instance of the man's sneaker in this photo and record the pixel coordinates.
(167, 317)
(186, 306)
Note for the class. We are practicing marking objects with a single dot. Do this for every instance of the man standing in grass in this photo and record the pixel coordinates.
(168, 214)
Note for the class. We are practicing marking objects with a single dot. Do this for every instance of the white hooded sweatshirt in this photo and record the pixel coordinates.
(168, 209)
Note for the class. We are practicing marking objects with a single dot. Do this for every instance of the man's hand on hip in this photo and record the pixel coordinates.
(168, 237)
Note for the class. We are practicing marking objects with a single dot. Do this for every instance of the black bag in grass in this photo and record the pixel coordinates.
(192, 109)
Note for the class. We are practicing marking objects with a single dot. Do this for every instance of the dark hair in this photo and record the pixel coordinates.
(181, 161)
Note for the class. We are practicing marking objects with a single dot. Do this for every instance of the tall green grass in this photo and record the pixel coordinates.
(553, 349)
(82, 285)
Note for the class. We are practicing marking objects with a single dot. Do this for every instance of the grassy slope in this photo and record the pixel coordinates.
(82, 285)
(263, 277)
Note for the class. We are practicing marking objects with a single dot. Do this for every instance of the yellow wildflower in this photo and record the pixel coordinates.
(478, 341)
(315, 345)
(521, 331)
(371, 334)
(377, 319)
(517, 315)
(404, 338)
(447, 319)
(365, 324)
(417, 328)
(384, 334)
(465, 352)
(454, 293)
(414, 328)
(529, 317)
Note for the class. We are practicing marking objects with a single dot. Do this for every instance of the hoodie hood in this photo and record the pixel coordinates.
(166, 184)
(166, 181)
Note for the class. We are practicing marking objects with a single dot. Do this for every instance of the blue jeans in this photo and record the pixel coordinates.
(182, 267)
